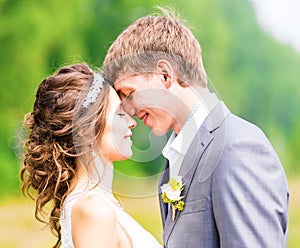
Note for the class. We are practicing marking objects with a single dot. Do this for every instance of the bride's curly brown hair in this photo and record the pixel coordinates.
(61, 132)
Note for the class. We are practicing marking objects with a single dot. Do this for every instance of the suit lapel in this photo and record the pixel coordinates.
(164, 179)
(187, 171)
(191, 161)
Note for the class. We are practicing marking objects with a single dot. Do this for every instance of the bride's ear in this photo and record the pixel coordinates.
(167, 72)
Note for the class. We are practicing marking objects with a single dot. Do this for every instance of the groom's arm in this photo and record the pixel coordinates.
(250, 195)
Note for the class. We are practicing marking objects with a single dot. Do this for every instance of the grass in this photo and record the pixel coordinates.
(294, 213)
(18, 227)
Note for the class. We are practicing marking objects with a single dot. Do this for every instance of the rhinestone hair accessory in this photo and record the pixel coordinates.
(94, 90)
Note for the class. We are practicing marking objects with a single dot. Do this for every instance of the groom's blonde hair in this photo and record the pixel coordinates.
(151, 38)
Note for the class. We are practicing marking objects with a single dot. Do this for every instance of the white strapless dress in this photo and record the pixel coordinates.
(139, 236)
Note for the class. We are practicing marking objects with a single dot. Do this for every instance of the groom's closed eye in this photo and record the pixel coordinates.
(127, 95)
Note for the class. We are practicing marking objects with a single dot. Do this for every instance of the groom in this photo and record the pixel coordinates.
(235, 189)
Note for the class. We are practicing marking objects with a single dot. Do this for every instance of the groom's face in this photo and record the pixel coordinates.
(147, 97)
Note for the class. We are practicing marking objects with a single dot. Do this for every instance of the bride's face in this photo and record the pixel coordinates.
(116, 141)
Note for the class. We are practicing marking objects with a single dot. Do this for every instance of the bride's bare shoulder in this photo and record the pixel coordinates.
(92, 207)
(94, 221)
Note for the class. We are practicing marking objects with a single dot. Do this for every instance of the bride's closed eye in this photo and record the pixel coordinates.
(121, 114)
(120, 111)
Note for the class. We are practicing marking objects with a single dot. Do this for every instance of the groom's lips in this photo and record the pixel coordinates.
(143, 115)
(146, 118)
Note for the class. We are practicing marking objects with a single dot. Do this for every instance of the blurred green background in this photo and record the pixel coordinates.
(257, 77)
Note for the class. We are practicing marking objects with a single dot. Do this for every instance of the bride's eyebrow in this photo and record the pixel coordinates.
(121, 107)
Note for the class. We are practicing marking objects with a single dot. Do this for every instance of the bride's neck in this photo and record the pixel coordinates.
(102, 174)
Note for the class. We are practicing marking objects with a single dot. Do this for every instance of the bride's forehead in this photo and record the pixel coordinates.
(113, 94)
(114, 99)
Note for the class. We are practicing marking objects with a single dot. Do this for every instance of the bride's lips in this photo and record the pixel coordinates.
(128, 136)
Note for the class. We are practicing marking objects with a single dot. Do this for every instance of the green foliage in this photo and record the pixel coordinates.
(253, 74)
(256, 76)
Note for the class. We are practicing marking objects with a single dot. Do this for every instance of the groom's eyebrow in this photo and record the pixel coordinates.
(125, 91)
(121, 94)
(109, 82)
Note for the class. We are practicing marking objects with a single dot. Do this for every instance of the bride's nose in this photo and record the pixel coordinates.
(131, 122)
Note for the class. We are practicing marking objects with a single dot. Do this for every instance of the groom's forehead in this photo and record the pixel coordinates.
(127, 83)
(123, 85)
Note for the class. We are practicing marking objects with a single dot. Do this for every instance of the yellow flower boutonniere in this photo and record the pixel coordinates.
(171, 194)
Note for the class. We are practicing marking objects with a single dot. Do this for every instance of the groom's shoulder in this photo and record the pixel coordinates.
(244, 136)
(237, 126)
(231, 124)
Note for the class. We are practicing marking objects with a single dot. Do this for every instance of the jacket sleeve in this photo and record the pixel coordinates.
(250, 196)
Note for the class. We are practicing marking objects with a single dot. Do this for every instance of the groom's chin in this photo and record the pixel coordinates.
(159, 132)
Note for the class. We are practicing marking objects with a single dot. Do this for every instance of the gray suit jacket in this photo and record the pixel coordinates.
(236, 192)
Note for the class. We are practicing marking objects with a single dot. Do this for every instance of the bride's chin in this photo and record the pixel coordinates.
(125, 155)
(128, 155)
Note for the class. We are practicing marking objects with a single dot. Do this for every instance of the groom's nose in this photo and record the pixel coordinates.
(129, 107)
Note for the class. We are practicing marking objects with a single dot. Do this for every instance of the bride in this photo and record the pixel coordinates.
(77, 129)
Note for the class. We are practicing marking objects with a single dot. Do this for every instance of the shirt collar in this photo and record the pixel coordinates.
(181, 142)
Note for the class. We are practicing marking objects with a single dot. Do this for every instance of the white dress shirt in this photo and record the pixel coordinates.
(177, 146)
